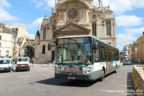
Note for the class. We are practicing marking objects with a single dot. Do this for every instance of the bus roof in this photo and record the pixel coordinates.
(87, 36)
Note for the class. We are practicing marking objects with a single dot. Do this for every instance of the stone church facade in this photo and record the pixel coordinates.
(72, 18)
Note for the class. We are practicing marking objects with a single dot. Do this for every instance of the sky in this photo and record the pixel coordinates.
(129, 16)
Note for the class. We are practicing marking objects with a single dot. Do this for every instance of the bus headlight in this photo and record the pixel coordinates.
(87, 70)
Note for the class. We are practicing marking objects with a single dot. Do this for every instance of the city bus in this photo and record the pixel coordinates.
(84, 58)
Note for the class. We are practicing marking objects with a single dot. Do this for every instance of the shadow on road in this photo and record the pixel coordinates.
(130, 85)
(70, 83)
(4, 72)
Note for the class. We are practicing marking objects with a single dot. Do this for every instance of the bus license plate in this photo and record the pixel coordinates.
(71, 77)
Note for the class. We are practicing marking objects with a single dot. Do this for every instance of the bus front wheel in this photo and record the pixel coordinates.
(103, 75)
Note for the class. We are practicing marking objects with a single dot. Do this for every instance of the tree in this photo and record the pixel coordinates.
(29, 51)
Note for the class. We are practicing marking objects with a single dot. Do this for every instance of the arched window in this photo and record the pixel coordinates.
(43, 49)
(108, 27)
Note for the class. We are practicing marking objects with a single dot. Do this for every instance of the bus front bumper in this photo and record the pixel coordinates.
(70, 76)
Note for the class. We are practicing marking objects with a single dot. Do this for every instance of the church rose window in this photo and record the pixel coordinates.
(72, 13)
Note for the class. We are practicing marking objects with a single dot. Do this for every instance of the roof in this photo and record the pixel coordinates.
(38, 33)
(78, 3)
(69, 25)
(29, 43)
(4, 28)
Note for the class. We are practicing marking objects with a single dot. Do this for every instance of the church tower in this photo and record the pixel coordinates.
(73, 18)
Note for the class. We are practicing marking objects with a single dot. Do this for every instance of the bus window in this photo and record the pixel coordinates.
(102, 53)
(96, 54)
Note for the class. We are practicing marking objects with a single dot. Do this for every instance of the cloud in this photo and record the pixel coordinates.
(46, 4)
(29, 35)
(4, 3)
(138, 3)
(129, 20)
(5, 15)
(118, 6)
(36, 23)
(128, 37)
(121, 6)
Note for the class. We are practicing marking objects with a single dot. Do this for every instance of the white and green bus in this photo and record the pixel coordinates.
(84, 58)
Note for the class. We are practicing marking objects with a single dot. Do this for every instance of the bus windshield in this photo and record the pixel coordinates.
(74, 51)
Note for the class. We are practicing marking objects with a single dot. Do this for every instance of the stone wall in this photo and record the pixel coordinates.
(138, 78)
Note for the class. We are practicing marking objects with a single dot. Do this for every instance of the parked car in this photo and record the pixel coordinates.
(23, 64)
(126, 62)
(6, 64)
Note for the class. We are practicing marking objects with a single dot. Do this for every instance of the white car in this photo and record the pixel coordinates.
(6, 65)
(23, 63)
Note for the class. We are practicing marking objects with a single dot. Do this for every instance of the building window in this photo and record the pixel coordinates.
(108, 27)
(7, 53)
(49, 46)
(94, 29)
(94, 16)
(61, 18)
(0, 37)
(43, 49)
(44, 34)
(72, 13)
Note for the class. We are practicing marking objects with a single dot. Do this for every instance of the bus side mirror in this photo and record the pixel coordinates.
(95, 45)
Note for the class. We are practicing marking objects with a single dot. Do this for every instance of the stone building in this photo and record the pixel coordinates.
(6, 41)
(125, 53)
(140, 52)
(19, 34)
(74, 17)
(137, 50)
(134, 52)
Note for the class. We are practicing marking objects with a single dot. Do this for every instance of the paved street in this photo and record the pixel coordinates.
(40, 82)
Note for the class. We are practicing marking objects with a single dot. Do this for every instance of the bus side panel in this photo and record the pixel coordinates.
(109, 67)
(97, 71)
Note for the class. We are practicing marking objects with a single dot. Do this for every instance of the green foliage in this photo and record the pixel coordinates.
(27, 39)
(29, 51)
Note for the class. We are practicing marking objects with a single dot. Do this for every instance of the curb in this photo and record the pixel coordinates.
(42, 65)
(136, 84)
